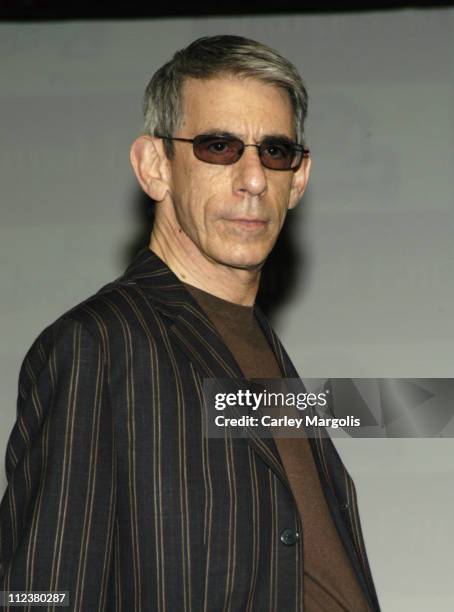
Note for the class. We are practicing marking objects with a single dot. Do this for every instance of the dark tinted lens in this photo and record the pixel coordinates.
(279, 155)
(217, 149)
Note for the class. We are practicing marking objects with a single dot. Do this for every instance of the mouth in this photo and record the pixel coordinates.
(248, 223)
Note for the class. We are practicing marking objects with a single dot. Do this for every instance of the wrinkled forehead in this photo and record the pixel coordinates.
(245, 106)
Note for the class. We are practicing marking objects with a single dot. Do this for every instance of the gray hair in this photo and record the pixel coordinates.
(211, 57)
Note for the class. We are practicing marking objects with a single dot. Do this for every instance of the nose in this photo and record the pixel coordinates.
(249, 173)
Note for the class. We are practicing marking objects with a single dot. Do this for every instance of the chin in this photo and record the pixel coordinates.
(243, 261)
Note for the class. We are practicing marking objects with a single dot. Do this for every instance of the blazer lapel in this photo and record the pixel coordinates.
(196, 336)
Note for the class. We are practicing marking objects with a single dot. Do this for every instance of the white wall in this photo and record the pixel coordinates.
(378, 219)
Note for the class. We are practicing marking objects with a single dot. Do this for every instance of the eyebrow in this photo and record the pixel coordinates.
(224, 134)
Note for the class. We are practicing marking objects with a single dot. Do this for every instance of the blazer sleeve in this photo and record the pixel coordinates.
(58, 511)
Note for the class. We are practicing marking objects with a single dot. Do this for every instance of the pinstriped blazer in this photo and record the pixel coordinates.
(114, 492)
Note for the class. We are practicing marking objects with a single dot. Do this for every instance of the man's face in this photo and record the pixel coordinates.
(233, 213)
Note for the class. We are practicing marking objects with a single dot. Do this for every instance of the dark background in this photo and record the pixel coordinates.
(136, 9)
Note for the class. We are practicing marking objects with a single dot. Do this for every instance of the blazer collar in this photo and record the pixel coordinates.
(170, 297)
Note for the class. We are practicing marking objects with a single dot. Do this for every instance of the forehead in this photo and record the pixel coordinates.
(245, 106)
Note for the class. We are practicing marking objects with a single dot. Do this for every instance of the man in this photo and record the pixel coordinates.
(116, 494)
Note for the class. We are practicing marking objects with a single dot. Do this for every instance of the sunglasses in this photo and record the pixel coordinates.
(274, 153)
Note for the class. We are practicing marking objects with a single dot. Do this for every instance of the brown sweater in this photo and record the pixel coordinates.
(330, 584)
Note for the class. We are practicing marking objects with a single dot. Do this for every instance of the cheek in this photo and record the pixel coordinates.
(196, 197)
(279, 194)
(283, 185)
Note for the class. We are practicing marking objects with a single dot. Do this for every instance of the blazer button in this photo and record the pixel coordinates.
(289, 537)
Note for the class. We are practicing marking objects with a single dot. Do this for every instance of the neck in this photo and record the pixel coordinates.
(191, 266)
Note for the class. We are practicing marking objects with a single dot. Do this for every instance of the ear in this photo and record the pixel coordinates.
(151, 167)
(299, 182)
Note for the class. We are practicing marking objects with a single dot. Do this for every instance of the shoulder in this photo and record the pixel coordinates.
(118, 313)
(116, 308)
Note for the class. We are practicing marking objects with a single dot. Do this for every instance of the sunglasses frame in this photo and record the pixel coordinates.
(197, 139)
